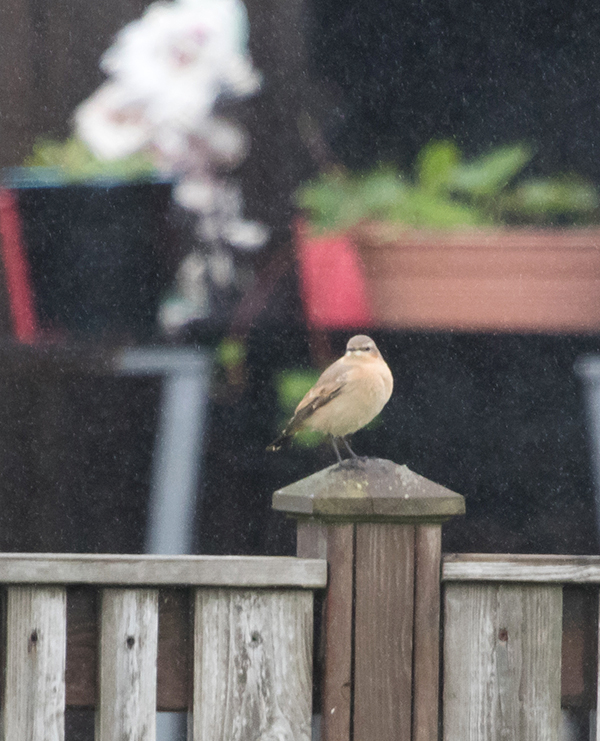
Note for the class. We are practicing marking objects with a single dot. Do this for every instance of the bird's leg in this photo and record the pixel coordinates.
(335, 447)
(347, 444)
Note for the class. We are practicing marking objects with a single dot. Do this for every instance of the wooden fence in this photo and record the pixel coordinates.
(379, 526)
(503, 643)
(251, 628)
(230, 639)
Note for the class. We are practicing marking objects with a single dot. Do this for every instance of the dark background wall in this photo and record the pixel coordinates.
(402, 73)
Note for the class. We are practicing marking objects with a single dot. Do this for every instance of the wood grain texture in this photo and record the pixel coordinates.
(230, 571)
(426, 639)
(252, 665)
(521, 568)
(127, 679)
(174, 648)
(383, 632)
(502, 648)
(338, 635)
(34, 696)
(311, 542)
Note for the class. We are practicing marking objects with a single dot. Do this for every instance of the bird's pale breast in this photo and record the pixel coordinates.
(366, 392)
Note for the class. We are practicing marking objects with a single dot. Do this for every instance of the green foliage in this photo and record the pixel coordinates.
(488, 175)
(539, 198)
(447, 191)
(435, 166)
(231, 352)
(71, 161)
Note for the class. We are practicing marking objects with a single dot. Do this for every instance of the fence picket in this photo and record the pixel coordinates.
(34, 695)
(502, 652)
(128, 653)
(252, 665)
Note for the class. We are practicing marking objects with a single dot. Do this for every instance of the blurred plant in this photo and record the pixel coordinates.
(173, 77)
(72, 161)
(447, 191)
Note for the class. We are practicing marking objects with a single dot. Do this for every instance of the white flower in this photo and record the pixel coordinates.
(167, 71)
(111, 124)
(179, 58)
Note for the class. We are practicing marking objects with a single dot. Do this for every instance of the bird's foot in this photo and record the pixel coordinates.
(356, 462)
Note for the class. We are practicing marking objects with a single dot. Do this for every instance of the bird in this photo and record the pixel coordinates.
(347, 396)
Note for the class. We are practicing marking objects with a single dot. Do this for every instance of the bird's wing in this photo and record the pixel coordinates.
(330, 384)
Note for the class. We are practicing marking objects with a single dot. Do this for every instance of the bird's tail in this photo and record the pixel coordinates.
(279, 442)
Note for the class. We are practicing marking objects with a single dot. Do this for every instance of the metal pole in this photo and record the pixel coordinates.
(588, 369)
(176, 461)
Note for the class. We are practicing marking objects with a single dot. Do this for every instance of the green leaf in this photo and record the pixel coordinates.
(423, 210)
(331, 201)
(380, 191)
(292, 385)
(489, 174)
(337, 201)
(554, 196)
(231, 352)
(435, 165)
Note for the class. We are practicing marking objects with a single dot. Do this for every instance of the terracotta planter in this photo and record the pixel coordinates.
(510, 279)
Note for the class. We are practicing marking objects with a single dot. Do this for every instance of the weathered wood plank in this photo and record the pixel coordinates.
(252, 665)
(34, 695)
(521, 568)
(174, 648)
(226, 571)
(311, 542)
(338, 635)
(426, 640)
(502, 647)
(383, 631)
(127, 676)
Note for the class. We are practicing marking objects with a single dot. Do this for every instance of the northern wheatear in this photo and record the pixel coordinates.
(347, 396)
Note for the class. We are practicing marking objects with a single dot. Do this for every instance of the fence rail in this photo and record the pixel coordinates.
(545, 569)
(251, 633)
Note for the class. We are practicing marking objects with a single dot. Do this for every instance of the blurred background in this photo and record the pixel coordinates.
(494, 412)
(425, 172)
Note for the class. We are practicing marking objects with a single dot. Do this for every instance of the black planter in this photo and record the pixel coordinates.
(99, 256)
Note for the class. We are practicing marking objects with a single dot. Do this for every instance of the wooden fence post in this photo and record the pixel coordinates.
(379, 526)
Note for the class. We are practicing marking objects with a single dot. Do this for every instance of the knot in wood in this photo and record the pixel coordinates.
(33, 639)
(130, 641)
(503, 635)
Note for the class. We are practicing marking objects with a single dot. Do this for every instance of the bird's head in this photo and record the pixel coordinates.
(362, 347)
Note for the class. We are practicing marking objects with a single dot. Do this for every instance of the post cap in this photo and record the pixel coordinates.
(368, 489)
